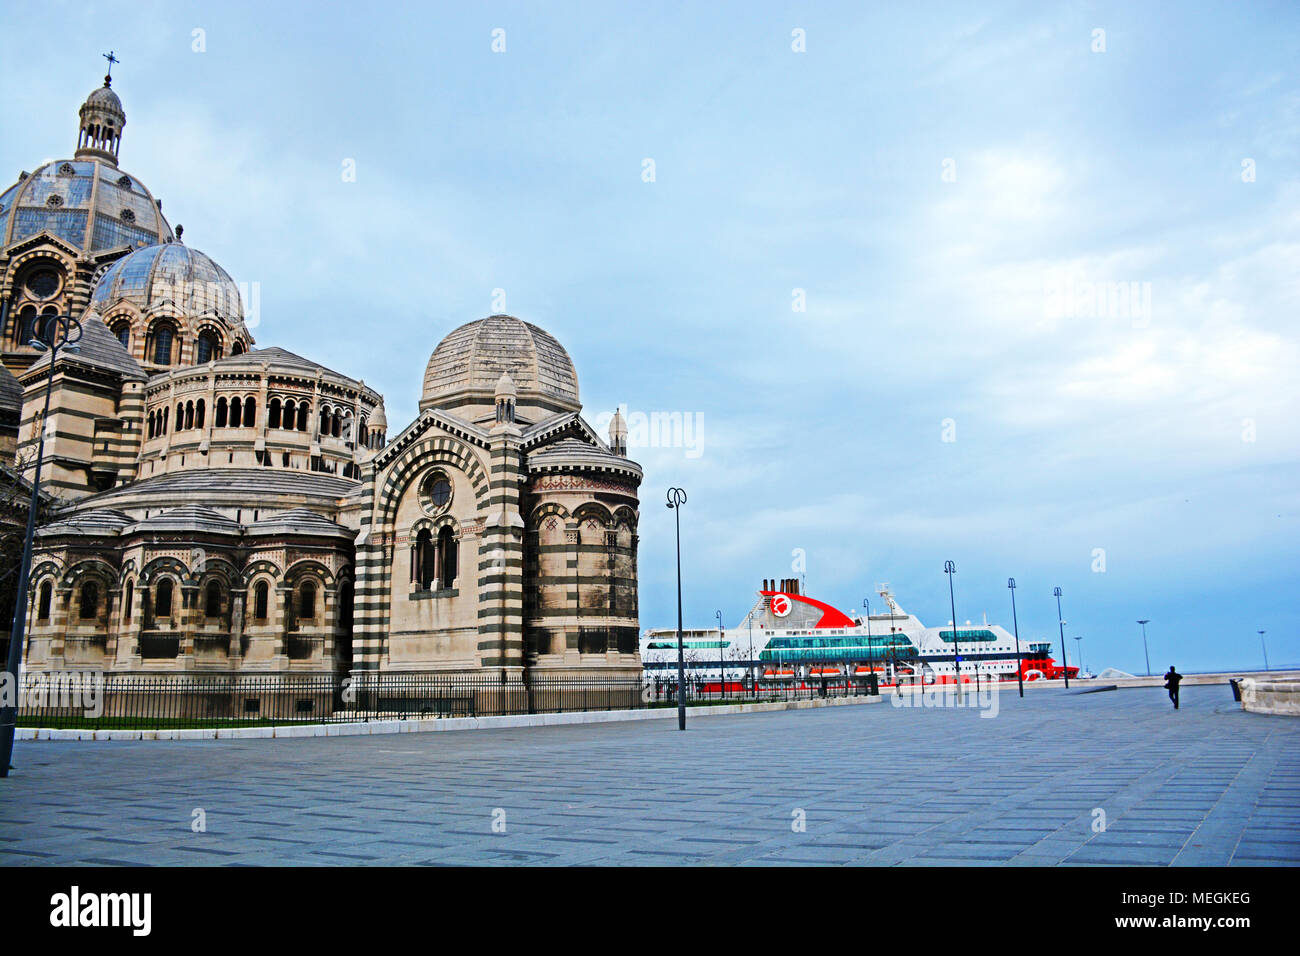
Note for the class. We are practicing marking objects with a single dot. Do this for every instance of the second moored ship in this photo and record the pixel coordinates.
(790, 639)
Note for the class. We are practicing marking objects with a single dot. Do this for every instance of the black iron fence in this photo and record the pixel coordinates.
(702, 690)
(77, 700)
(82, 700)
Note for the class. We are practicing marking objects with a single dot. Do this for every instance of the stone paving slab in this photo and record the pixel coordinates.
(1209, 785)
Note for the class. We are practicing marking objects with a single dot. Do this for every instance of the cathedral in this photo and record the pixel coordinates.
(220, 508)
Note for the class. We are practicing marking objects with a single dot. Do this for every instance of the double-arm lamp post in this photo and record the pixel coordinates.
(1060, 622)
(59, 331)
(677, 498)
(1020, 677)
(950, 569)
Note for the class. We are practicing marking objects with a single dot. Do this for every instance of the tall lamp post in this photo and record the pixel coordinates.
(1144, 622)
(1079, 645)
(64, 332)
(677, 498)
(1265, 648)
(722, 664)
(1015, 623)
(871, 662)
(950, 569)
(1060, 622)
(753, 681)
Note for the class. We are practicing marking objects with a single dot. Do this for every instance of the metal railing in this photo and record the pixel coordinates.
(79, 700)
(744, 691)
(199, 701)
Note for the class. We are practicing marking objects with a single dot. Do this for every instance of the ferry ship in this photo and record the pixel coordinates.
(789, 639)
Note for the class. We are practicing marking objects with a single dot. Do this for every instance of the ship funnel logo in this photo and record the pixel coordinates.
(781, 605)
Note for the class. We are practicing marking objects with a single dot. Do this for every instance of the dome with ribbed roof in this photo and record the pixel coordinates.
(467, 365)
(174, 274)
(190, 518)
(87, 202)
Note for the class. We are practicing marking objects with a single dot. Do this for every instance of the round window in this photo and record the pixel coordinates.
(440, 491)
(43, 283)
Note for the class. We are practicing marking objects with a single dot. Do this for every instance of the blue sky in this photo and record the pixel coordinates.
(930, 176)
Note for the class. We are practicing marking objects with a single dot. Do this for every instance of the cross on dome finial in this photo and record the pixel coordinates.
(108, 79)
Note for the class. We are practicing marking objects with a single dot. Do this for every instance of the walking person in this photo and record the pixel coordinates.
(1171, 684)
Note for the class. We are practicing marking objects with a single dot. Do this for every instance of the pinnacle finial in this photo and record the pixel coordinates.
(111, 58)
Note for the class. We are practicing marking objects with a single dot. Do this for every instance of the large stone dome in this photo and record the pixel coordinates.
(466, 365)
(88, 203)
(170, 273)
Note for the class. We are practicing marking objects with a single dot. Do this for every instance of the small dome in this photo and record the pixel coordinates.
(617, 425)
(473, 358)
(171, 273)
(378, 420)
(299, 521)
(96, 522)
(506, 386)
(190, 518)
(104, 98)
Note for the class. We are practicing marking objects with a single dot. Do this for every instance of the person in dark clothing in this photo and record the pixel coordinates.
(1171, 684)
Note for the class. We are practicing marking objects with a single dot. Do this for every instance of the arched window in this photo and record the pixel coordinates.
(423, 560)
(212, 600)
(189, 414)
(45, 327)
(221, 413)
(307, 602)
(324, 422)
(302, 417)
(237, 348)
(361, 435)
(162, 345)
(130, 599)
(27, 325)
(206, 348)
(151, 425)
(261, 597)
(180, 417)
(198, 414)
(447, 555)
(163, 603)
(123, 332)
(336, 427)
(250, 412)
(43, 607)
(234, 412)
(89, 600)
(289, 408)
(273, 414)
(165, 413)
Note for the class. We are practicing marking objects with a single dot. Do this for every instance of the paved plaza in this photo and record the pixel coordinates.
(875, 785)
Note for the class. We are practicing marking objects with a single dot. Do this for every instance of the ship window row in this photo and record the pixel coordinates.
(971, 635)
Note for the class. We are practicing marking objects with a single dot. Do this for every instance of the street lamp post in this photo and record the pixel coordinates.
(871, 661)
(722, 665)
(677, 498)
(1265, 649)
(753, 681)
(64, 331)
(1079, 645)
(1144, 622)
(950, 569)
(1020, 677)
(1060, 622)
